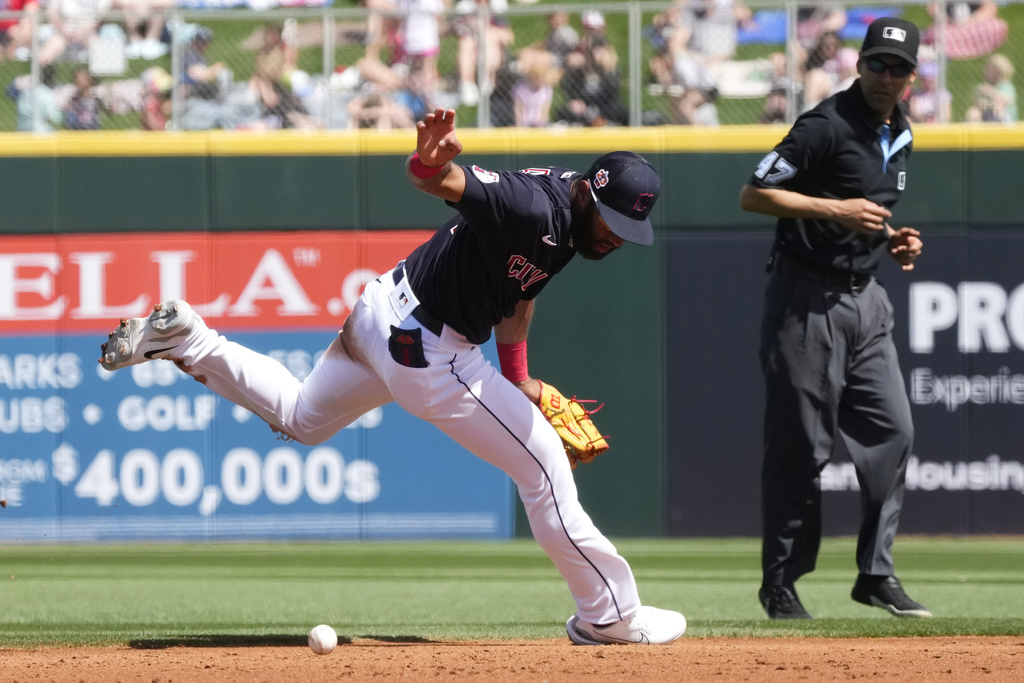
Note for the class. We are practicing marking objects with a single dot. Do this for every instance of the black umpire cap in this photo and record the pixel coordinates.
(891, 36)
(625, 187)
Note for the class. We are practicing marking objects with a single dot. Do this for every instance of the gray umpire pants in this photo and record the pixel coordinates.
(830, 369)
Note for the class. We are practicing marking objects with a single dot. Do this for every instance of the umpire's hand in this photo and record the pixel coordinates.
(905, 245)
(861, 215)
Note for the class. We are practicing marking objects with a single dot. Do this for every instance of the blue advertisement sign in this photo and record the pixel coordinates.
(147, 453)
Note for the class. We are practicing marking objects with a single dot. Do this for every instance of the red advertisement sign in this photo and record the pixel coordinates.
(258, 280)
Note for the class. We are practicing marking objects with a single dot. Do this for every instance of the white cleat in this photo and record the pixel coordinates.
(649, 626)
(140, 339)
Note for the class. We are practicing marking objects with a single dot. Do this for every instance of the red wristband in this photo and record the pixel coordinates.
(420, 169)
(513, 361)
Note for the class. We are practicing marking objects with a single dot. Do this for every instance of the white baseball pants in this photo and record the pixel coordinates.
(461, 393)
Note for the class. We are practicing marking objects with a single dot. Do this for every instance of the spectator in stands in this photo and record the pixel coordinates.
(84, 108)
(539, 62)
(388, 93)
(696, 107)
(925, 102)
(593, 24)
(75, 24)
(680, 73)
(503, 107)
(201, 83)
(775, 106)
(414, 95)
(275, 58)
(694, 44)
(38, 100)
(710, 31)
(144, 26)
(995, 100)
(497, 38)
(673, 68)
(200, 78)
(378, 110)
(846, 69)
(592, 85)
(972, 29)
(820, 69)
(667, 38)
(532, 98)
(551, 52)
(274, 64)
(381, 29)
(156, 108)
(562, 37)
(825, 49)
(281, 108)
(814, 18)
(419, 38)
(16, 33)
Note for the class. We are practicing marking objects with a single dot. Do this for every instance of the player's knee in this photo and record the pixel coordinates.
(298, 435)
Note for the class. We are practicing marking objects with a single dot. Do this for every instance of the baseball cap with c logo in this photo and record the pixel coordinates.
(625, 186)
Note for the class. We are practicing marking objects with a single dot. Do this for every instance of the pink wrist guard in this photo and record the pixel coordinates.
(420, 169)
(513, 361)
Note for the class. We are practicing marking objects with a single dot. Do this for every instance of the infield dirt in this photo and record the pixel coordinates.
(993, 660)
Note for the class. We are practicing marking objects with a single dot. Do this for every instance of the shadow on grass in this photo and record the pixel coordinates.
(272, 640)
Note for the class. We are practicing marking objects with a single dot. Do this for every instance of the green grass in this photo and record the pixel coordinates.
(152, 596)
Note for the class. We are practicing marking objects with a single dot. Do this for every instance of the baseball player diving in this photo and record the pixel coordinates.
(414, 337)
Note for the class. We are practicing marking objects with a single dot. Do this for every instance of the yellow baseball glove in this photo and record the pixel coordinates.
(582, 440)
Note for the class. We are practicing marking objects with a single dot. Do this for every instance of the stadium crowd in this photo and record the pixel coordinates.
(415, 55)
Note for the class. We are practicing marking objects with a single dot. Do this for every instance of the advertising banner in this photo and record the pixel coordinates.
(147, 453)
(959, 332)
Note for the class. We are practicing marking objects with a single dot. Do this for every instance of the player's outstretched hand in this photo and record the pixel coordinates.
(436, 143)
(905, 245)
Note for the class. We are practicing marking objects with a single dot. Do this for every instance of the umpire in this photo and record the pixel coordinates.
(827, 353)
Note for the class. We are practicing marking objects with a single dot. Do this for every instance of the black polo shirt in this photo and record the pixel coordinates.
(510, 236)
(838, 150)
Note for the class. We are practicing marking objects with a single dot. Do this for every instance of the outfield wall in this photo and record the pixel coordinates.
(274, 236)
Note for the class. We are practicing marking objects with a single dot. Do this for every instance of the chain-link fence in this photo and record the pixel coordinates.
(204, 64)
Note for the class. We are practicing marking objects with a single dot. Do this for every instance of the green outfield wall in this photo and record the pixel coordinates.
(601, 330)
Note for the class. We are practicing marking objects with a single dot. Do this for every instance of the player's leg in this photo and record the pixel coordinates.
(506, 429)
(447, 381)
(489, 416)
(444, 379)
(337, 391)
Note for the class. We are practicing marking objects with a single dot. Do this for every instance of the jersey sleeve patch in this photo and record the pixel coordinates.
(773, 169)
(485, 176)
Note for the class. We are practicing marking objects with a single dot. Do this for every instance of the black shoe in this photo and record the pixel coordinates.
(887, 592)
(780, 602)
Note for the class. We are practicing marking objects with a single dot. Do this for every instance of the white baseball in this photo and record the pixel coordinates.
(323, 639)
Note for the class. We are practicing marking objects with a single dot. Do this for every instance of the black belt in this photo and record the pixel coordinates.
(422, 315)
(846, 279)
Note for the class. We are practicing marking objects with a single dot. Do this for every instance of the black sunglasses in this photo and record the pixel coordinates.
(879, 67)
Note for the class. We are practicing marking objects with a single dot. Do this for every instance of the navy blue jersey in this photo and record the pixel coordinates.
(510, 237)
(838, 150)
